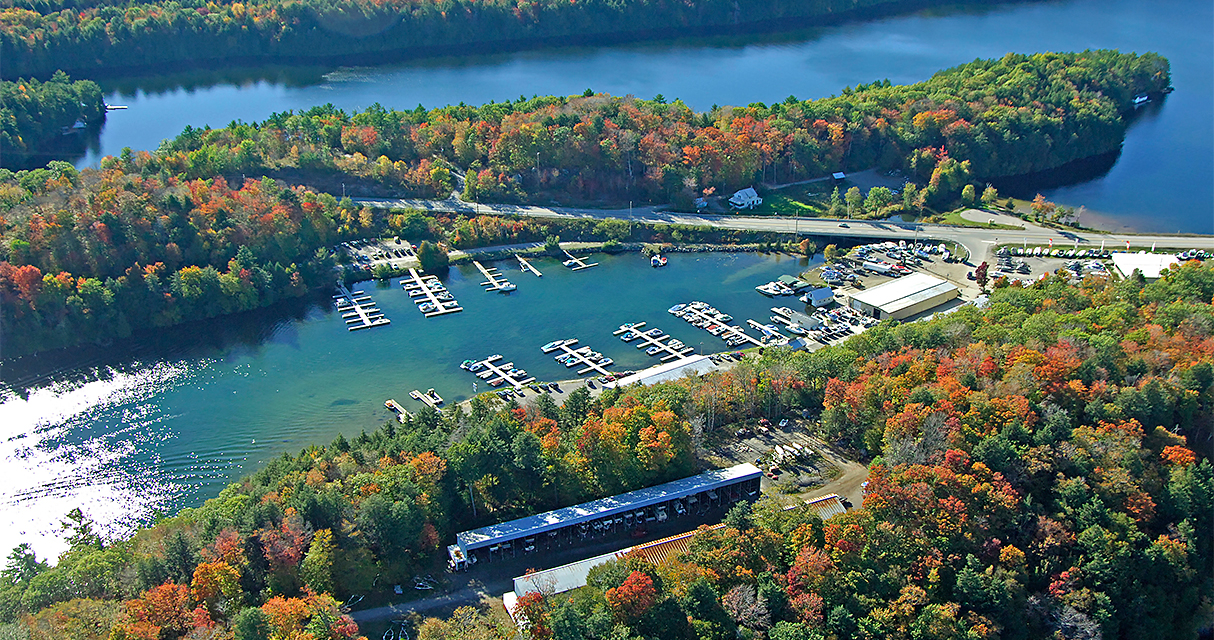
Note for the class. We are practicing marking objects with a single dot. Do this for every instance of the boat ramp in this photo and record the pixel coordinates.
(496, 281)
(498, 374)
(430, 398)
(577, 264)
(527, 266)
(358, 309)
(652, 341)
(431, 296)
(705, 317)
(584, 356)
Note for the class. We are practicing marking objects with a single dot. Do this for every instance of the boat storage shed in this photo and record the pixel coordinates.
(717, 487)
(903, 297)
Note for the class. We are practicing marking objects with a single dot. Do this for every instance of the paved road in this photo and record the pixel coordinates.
(978, 241)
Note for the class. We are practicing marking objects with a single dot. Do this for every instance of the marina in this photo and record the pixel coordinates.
(526, 265)
(431, 296)
(358, 309)
(495, 281)
(702, 316)
(430, 398)
(577, 264)
(584, 356)
(498, 374)
(652, 341)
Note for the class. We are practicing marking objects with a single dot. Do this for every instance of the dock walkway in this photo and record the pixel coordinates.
(730, 331)
(495, 280)
(650, 341)
(581, 358)
(577, 264)
(431, 296)
(499, 374)
(358, 309)
(527, 266)
(781, 339)
(394, 407)
(429, 398)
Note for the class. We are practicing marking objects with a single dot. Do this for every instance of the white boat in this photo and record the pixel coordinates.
(654, 332)
(768, 289)
(677, 308)
(606, 362)
(426, 307)
(657, 261)
(552, 346)
(630, 336)
(796, 329)
(653, 351)
(724, 317)
(506, 286)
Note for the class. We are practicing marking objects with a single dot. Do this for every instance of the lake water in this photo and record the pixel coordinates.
(1163, 181)
(166, 421)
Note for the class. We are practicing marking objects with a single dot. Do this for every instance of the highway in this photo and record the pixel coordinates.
(975, 239)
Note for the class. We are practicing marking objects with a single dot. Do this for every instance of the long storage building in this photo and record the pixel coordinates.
(903, 297)
(715, 488)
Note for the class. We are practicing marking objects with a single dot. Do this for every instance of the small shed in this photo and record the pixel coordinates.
(839, 176)
(819, 297)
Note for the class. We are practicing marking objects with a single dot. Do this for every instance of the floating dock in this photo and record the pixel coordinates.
(429, 398)
(358, 309)
(499, 374)
(781, 339)
(577, 264)
(527, 266)
(580, 356)
(728, 331)
(496, 281)
(394, 407)
(648, 341)
(429, 294)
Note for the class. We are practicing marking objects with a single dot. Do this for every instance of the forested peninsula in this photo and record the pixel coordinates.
(156, 238)
(36, 117)
(1040, 470)
(38, 37)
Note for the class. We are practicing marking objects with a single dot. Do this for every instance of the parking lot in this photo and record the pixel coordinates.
(367, 254)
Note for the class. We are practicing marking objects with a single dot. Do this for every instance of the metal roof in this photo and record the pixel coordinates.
(603, 507)
(672, 370)
(903, 292)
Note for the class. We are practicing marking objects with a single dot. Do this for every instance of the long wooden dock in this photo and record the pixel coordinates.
(527, 266)
(496, 281)
(499, 374)
(577, 264)
(427, 290)
(401, 413)
(581, 356)
(656, 340)
(728, 331)
(358, 309)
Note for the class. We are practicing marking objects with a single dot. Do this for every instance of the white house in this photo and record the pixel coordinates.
(746, 199)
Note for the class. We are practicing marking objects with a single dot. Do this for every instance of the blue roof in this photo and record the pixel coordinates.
(603, 507)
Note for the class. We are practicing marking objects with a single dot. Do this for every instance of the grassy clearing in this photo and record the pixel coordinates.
(806, 200)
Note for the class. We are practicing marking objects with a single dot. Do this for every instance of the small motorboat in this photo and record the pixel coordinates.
(658, 261)
(677, 308)
(653, 333)
(426, 307)
(552, 346)
(467, 364)
(653, 351)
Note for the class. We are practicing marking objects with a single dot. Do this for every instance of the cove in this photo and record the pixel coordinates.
(165, 421)
(1163, 180)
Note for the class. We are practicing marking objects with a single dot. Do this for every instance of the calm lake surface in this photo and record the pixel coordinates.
(1163, 180)
(166, 421)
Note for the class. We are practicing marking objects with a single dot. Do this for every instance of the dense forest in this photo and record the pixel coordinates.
(1039, 469)
(40, 36)
(96, 255)
(985, 119)
(35, 115)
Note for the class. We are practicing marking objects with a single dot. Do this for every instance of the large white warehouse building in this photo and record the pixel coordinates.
(903, 297)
